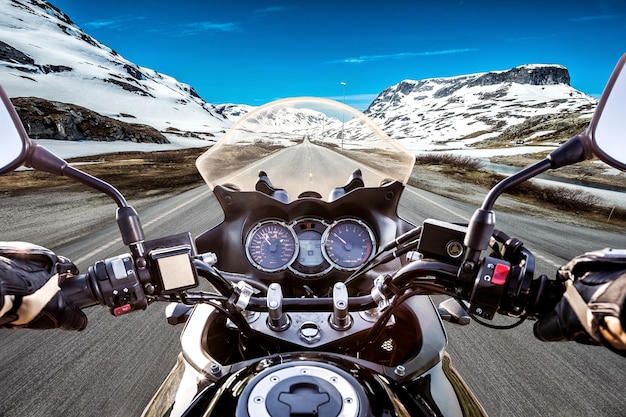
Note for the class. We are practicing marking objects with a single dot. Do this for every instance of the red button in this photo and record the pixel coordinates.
(500, 272)
(118, 311)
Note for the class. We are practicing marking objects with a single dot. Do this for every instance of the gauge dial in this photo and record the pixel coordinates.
(271, 246)
(348, 243)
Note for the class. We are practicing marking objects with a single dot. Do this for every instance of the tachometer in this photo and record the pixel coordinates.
(271, 246)
(348, 243)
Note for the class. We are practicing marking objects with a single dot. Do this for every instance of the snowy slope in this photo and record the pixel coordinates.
(455, 111)
(44, 54)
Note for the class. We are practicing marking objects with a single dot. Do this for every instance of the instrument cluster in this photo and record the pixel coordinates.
(310, 247)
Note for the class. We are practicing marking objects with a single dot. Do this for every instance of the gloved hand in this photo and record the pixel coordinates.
(30, 296)
(592, 308)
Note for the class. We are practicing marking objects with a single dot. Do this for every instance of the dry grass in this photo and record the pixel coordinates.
(137, 174)
(468, 170)
(455, 163)
(142, 174)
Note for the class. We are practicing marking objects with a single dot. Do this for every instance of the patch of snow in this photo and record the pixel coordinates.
(71, 149)
(539, 134)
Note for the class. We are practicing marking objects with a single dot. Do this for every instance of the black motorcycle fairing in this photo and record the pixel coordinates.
(377, 395)
(243, 210)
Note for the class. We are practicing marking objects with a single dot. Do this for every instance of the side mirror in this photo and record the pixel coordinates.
(18, 149)
(603, 138)
(608, 126)
(13, 137)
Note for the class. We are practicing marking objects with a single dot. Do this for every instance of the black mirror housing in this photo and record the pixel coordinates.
(15, 141)
(607, 130)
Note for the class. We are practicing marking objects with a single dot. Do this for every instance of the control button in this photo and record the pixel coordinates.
(119, 269)
(118, 311)
(500, 273)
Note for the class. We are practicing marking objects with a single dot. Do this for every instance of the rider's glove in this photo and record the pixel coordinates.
(592, 308)
(30, 296)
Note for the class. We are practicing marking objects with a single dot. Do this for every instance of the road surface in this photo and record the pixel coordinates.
(115, 365)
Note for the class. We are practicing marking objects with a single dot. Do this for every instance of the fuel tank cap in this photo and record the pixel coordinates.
(303, 389)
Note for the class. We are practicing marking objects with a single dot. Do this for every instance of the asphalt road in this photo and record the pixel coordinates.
(305, 167)
(115, 365)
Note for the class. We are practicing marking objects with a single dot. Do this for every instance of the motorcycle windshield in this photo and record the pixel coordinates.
(304, 145)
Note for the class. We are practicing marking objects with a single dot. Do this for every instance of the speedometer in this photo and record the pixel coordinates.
(348, 243)
(271, 246)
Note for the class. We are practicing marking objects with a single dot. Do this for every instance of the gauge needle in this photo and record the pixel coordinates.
(339, 237)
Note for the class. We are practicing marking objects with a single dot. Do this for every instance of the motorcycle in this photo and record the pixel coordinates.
(315, 297)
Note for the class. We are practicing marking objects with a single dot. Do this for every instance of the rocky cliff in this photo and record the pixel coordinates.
(45, 119)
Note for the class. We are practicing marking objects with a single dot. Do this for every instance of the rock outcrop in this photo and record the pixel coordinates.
(45, 119)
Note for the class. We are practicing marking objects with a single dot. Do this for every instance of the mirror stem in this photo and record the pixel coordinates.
(513, 180)
(483, 221)
(127, 218)
(97, 184)
(43, 160)
(571, 152)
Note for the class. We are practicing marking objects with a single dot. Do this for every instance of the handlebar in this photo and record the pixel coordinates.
(107, 284)
(502, 282)
(77, 289)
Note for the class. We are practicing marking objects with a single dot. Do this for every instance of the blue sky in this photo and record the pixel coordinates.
(253, 52)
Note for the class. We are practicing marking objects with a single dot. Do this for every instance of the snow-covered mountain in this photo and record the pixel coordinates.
(451, 112)
(44, 54)
(233, 111)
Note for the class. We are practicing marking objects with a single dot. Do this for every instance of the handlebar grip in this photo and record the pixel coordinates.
(113, 283)
(78, 291)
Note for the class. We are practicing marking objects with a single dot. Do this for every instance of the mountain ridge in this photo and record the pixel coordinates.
(42, 52)
(440, 113)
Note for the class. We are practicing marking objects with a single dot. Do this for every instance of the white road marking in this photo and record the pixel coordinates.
(441, 206)
(118, 240)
